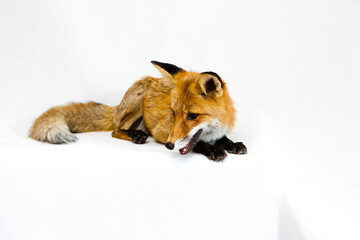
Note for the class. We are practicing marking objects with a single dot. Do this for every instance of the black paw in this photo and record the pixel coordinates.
(216, 154)
(238, 148)
(138, 136)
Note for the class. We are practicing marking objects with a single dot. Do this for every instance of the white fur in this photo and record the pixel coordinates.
(52, 132)
(59, 134)
(212, 131)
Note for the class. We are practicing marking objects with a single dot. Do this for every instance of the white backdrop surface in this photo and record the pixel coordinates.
(293, 72)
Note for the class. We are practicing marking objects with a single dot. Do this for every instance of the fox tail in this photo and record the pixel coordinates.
(58, 124)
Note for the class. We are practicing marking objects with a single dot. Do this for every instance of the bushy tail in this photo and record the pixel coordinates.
(58, 124)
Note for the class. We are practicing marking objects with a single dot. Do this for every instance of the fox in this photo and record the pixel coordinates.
(184, 110)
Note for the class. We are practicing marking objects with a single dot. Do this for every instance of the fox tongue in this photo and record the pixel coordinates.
(191, 143)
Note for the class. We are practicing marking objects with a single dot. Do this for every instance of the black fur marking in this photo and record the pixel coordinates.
(137, 136)
(215, 75)
(212, 152)
(136, 123)
(230, 146)
(170, 68)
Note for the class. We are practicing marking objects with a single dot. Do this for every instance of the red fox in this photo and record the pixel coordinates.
(186, 110)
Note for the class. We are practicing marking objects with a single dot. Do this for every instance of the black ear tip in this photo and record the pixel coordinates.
(170, 68)
(215, 75)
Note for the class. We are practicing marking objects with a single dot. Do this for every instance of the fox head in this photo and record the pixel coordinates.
(201, 106)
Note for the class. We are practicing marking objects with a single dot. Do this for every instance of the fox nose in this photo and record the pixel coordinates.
(169, 145)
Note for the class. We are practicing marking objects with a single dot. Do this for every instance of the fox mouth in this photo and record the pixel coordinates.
(191, 144)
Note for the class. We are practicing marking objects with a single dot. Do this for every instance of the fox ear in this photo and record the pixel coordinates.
(211, 84)
(166, 69)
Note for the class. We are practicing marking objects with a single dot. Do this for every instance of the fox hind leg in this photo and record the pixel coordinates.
(136, 136)
(128, 118)
(131, 128)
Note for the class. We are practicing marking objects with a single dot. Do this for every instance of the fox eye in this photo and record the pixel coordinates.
(192, 116)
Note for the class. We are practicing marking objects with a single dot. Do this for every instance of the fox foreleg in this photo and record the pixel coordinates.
(217, 152)
(230, 146)
(212, 152)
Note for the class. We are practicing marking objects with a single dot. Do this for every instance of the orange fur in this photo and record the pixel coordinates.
(183, 96)
(163, 103)
(58, 123)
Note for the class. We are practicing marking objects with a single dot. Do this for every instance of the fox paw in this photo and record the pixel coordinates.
(238, 148)
(138, 136)
(216, 154)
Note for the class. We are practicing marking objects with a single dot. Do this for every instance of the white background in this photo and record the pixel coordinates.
(293, 69)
